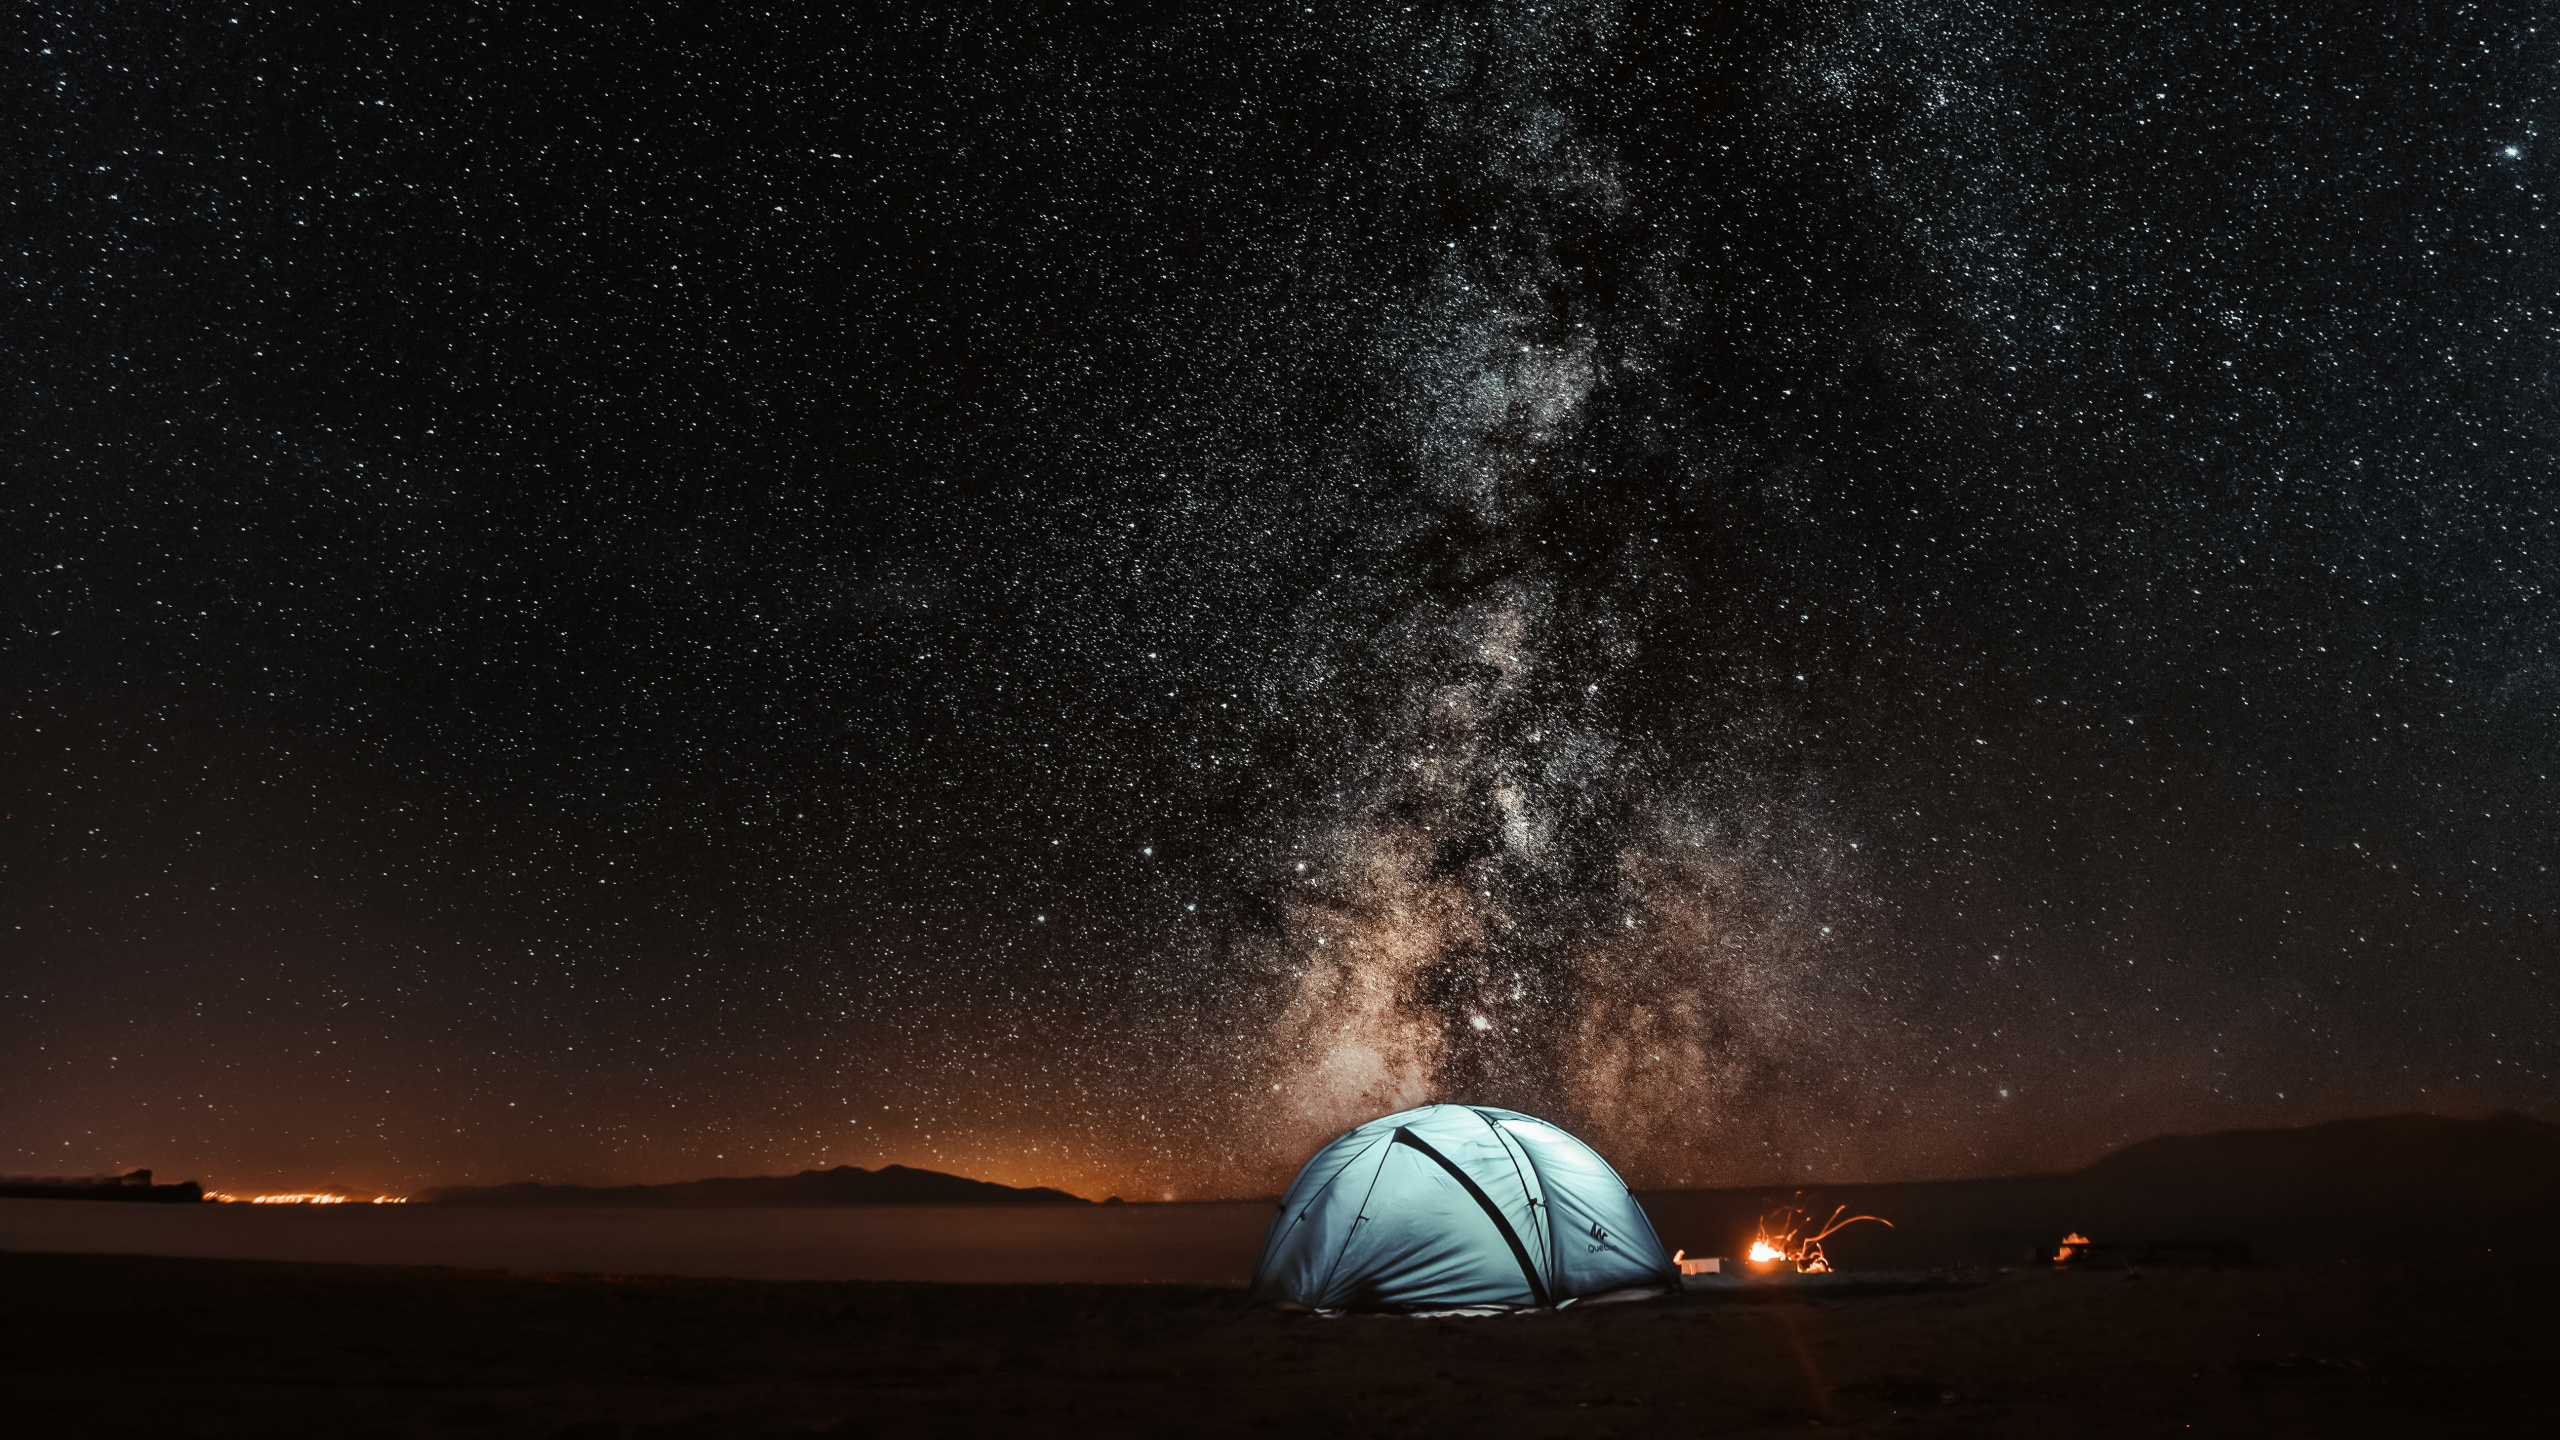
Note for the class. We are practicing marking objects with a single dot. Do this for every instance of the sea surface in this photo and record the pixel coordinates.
(1192, 1244)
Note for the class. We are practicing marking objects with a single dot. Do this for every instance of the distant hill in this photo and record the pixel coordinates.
(2388, 1186)
(844, 1185)
(129, 1187)
(2505, 1156)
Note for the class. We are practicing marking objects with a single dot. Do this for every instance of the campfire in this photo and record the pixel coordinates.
(1782, 1240)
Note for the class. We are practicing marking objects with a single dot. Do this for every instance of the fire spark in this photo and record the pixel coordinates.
(1782, 1241)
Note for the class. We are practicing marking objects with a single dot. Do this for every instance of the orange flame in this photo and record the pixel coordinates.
(1804, 1253)
(2071, 1245)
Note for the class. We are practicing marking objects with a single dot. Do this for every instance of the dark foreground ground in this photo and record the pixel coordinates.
(131, 1345)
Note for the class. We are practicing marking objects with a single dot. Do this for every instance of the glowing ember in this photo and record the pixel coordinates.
(2074, 1243)
(1781, 1239)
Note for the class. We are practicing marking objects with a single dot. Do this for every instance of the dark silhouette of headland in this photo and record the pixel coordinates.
(132, 1186)
(844, 1185)
(2399, 1185)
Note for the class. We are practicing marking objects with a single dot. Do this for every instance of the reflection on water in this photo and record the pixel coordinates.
(1209, 1244)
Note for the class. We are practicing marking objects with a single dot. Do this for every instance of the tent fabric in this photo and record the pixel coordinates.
(1457, 1205)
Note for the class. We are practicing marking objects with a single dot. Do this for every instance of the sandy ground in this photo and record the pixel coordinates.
(126, 1344)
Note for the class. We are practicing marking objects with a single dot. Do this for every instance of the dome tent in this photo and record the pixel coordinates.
(1457, 1205)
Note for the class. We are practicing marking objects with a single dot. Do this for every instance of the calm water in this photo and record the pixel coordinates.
(1208, 1244)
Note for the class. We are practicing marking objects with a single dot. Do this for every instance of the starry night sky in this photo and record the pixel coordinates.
(1090, 593)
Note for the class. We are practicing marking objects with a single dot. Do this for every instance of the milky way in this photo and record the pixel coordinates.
(1508, 897)
(1087, 594)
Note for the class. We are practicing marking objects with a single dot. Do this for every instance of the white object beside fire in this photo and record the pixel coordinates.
(1703, 1265)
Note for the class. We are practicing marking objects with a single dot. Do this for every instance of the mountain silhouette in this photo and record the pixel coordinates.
(2501, 1157)
(2400, 1186)
(844, 1185)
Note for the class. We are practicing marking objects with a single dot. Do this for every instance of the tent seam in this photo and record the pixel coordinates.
(1280, 1234)
(1553, 1249)
(1387, 1147)
(1336, 1175)
(1537, 1202)
(1519, 1252)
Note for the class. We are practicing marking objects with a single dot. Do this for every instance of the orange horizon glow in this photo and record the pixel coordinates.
(304, 1197)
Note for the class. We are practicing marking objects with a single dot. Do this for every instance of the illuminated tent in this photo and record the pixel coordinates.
(1454, 1206)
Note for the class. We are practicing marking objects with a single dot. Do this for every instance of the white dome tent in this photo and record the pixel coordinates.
(1458, 1206)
